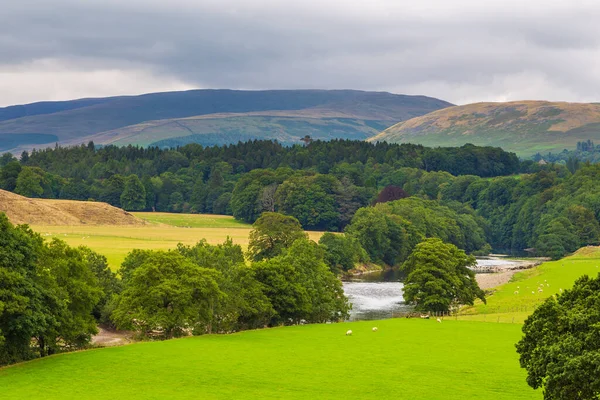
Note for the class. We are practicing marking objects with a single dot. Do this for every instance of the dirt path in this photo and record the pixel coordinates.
(106, 338)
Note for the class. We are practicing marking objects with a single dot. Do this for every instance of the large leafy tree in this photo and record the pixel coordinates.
(133, 197)
(438, 277)
(383, 236)
(244, 305)
(47, 295)
(342, 252)
(9, 174)
(29, 183)
(72, 292)
(272, 233)
(311, 199)
(167, 292)
(561, 346)
(300, 286)
(22, 313)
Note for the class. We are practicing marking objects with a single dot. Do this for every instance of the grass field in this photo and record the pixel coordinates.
(404, 359)
(163, 233)
(514, 301)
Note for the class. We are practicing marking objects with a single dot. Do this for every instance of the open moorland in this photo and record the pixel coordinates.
(525, 127)
(405, 359)
(162, 232)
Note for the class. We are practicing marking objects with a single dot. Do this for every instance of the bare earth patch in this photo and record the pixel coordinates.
(491, 280)
(107, 338)
(488, 281)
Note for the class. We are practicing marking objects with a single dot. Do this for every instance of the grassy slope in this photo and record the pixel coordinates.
(525, 127)
(405, 359)
(505, 304)
(164, 232)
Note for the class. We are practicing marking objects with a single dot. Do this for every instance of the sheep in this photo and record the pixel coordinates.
(349, 332)
(516, 292)
(439, 320)
(540, 290)
(374, 329)
(532, 292)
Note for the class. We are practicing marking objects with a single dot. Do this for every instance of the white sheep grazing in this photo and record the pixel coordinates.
(349, 333)
(374, 329)
(516, 292)
(439, 320)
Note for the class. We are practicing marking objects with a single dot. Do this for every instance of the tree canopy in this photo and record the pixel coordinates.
(561, 345)
(271, 234)
(48, 293)
(438, 277)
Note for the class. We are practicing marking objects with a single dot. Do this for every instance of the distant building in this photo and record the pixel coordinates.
(542, 162)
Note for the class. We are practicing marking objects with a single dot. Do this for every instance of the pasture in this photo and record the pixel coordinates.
(404, 359)
(163, 232)
(516, 300)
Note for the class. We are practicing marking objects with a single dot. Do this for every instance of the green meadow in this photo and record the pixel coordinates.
(404, 359)
(163, 232)
(516, 300)
(463, 357)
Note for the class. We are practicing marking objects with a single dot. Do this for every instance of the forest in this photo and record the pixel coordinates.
(477, 198)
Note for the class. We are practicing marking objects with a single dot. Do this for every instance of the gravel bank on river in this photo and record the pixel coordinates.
(490, 280)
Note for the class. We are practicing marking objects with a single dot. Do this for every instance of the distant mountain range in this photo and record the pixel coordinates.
(525, 127)
(209, 117)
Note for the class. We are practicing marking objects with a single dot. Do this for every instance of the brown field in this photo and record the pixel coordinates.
(23, 210)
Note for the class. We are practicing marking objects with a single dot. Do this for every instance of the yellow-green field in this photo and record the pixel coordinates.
(163, 232)
(516, 300)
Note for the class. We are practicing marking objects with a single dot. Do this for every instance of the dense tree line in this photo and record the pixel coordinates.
(52, 296)
(201, 179)
(548, 209)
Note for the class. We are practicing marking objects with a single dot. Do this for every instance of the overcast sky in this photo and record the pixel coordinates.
(457, 50)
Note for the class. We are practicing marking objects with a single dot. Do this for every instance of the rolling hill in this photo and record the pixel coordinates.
(525, 127)
(210, 116)
(23, 210)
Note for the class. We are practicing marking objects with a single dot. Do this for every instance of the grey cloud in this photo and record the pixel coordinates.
(457, 50)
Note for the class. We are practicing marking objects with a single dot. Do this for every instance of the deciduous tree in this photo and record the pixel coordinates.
(561, 346)
(438, 277)
(271, 234)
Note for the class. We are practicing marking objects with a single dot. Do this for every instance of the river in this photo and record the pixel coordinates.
(377, 295)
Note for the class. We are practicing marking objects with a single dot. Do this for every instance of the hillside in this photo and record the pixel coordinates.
(286, 115)
(23, 210)
(525, 127)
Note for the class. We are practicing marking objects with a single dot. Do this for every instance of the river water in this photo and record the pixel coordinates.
(377, 295)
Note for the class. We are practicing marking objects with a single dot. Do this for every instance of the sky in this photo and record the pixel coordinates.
(462, 51)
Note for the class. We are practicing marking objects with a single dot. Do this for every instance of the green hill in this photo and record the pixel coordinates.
(405, 358)
(525, 127)
(225, 116)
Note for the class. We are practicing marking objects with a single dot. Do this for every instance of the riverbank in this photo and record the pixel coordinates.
(503, 272)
